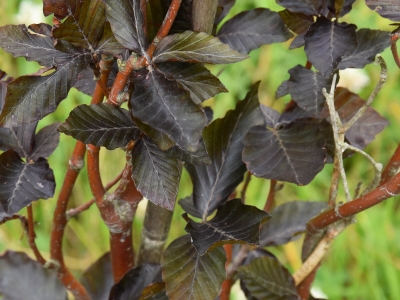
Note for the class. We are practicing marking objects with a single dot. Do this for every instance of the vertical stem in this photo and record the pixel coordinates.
(393, 46)
(334, 183)
(203, 15)
(32, 236)
(245, 185)
(154, 234)
(304, 287)
(271, 196)
(228, 282)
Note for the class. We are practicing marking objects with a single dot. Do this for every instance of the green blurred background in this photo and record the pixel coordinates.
(364, 261)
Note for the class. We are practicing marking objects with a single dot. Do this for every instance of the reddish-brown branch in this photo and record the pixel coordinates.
(304, 287)
(333, 191)
(32, 236)
(393, 46)
(227, 284)
(137, 63)
(77, 210)
(381, 193)
(271, 196)
(392, 168)
(308, 65)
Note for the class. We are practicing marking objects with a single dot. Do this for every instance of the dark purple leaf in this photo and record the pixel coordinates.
(291, 113)
(60, 8)
(101, 125)
(84, 28)
(271, 116)
(98, 279)
(21, 139)
(155, 291)
(364, 130)
(34, 281)
(160, 103)
(108, 43)
(296, 22)
(188, 275)
(130, 287)
(294, 153)
(297, 42)
(224, 7)
(156, 11)
(370, 43)
(86, 82)
(305, 86)
(30, 98)
(250, 29)
(212, 184)
(209, 114)
(234, 223)
(327, 42)
(155, 174)
(282, 90)
(288, 221)
(188, 206)
(267, 278)
(194, 78)
(389, 9)
(23, 182)
(309, 7)
(200, 157)
(183, 20)
(198, 47)
(21, 41)
(46, 141)
(126, 21)
(344, 7)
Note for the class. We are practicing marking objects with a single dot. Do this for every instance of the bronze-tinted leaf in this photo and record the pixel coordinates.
(198, 47)
(23, 182)
(389, 9)
(160, 103)
(288, 221)
(101, 125)
(155, 174)
(294, 153)
(98, 279)
(34, 281)
(108, 43)
(190, 276)
(84, 28)
(194, 78)
(154, 291)
(370, 43)
(130, 287)
(30, 98)
(212, 184)
(234, 223)
(327, 42)
(296, 22)
(21, 41)
(60, 8)
(250, 29)
(266, 278)
(126, 21)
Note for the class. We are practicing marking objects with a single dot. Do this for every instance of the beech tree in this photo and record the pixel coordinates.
(153, 55)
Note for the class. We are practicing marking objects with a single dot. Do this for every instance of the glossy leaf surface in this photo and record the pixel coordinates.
(160, 103)
(327, 42)
(250, 29)
(266, 278)
(190, 276)
(101, 125)
(294, 153)
(23, 183)
(34, 281)
(194, 78)
(130, 287)
(197, 47)
(126, 21)
(288, 221)
(30, 98)
(155, 174)
(214, 183)
(234, 223)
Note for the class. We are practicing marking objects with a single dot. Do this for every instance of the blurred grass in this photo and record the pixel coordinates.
(366, 255)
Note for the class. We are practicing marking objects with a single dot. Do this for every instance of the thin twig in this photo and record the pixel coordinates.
(392, 168)
(245, 185)
(333, 191)
(32, 236)
(316, 256)
(271, 196)
(395, 35)
(336, 125)
(363, 109)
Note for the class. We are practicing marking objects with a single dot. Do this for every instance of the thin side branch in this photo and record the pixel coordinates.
(245, 185)
(32, 236)
(395, 35)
